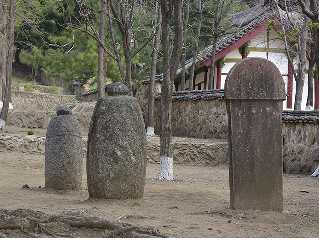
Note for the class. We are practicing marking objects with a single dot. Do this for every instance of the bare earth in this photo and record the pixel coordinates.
(196, 205)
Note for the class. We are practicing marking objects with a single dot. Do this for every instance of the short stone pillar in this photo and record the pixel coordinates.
(116, 162)
(254, 91)
(76, 89)
(63, 152)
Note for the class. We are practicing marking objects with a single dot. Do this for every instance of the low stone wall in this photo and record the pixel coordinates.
(300, 141)
(24, 144)
(33, 110)
(191, 151)
(26, 101)
(186, 151)
(196, 115)
(202, 114)
(29, 119)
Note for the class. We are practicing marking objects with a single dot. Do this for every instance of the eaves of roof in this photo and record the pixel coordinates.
(245, 22)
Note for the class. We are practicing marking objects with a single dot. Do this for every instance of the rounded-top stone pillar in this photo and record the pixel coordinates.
(116, 163)
(63, 152)
(254, 91)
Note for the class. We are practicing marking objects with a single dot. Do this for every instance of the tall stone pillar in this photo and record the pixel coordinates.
(254, 91)
(116, 162)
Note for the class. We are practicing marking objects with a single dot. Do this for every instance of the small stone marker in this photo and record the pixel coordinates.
(63, 153)
(76, 89)
(254, 91)
(116, 162)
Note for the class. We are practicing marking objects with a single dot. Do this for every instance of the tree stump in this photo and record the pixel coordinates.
(254, 91)
(116, 162)
(63, 152)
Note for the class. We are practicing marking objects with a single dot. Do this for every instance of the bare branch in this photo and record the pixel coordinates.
(94, 37)
(113, 41)
(150, 38)
(286, 45)
(307, 12)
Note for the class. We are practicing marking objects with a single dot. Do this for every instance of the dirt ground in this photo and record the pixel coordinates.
(196, 205)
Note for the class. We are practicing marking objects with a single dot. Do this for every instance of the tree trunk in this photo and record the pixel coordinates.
(316, 87)
(192, 69)
(128, 70)
(216, 23)
(124, 15)
(310, 84)
(166, 160)
(301, 65)
(101, 65)
(178, 39)
(313, 57)
(113, 41)
(127, 56)
(183, 56)
(156, 45)
(169, 69)
(212, 71)
(196, 48)
(183, 71)
(7, 20)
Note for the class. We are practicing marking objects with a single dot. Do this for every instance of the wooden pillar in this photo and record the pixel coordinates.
(244, 54)
(316, 93)
(218, 82)
(205, 79)
(194, 81)
(289, 85)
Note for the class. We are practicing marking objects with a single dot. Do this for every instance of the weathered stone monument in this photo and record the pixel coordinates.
(254, 91)
(63, 155)
(116, 162)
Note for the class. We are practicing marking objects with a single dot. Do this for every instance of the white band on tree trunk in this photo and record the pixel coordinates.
(315, 173)
(309, 108)
(150, 131)
(166, 168)
(2, 123)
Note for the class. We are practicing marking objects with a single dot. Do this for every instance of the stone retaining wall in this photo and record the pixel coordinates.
(191, 151)
(202, 114)
(26, 101)
(29, 119)
(25, 144)
(186, 151)
(33, 110)
(300, 142)
(197, 114)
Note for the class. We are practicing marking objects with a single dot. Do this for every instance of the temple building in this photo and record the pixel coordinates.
(256, 36)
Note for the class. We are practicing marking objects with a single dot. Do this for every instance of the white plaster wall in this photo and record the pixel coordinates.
(280, 60)
(261, 40)
(234, 54)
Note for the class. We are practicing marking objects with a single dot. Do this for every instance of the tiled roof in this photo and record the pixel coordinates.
(287, 116)
(300, 116)
(244, 22)
(198, 95)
